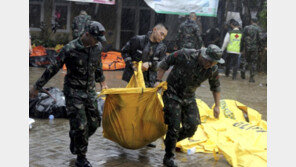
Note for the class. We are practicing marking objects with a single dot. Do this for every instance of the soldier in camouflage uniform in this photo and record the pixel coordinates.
(262, 59)
(191, 68)
(147, 48)
(79, 23)
(82, 57)
(250, 45)
(189, 34)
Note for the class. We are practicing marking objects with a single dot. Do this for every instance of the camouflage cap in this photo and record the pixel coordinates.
(212, 53)
(97, 30)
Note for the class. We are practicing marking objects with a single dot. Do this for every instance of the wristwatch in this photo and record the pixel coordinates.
(158, 80)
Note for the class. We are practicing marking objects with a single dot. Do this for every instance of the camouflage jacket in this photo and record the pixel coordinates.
(78, 25)
(251, 38)
(84, 66)
(188, 73)
(140, 48)
(188, 35)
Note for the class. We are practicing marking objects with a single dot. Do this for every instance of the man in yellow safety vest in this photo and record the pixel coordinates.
(232, 42)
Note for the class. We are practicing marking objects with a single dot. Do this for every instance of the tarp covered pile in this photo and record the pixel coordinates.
(42, 57)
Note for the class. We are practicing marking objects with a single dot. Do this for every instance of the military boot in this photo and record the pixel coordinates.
(72, 144)
(251, 79)
(243, 75)
(169, 162)
(82, 162)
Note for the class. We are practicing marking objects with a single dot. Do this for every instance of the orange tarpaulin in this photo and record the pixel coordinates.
(110, 61)
(38, 51)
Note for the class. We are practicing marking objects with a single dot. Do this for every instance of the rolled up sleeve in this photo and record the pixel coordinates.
(215, 82)
(170, 60)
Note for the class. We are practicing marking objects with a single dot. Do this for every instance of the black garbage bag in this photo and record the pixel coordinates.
(52, 102)
(49, 102)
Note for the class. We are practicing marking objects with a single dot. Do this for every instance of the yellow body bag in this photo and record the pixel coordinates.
(133, 116)
(243, 144)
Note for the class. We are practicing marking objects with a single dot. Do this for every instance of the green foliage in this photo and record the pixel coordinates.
(49, 43)
(46, 43)
(62, 39)
(263, 16)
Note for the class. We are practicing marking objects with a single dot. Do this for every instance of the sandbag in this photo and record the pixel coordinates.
(133, 116)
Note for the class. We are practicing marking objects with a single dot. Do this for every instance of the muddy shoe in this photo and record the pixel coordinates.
(82, 162)
(169, 162)
(151, 145)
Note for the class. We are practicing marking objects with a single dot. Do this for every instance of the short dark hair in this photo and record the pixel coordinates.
(231, 21)
(161, 25)
(254, 20)
(235, 23)
(83, 12)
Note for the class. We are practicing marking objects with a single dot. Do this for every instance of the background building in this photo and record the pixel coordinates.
(50, 20)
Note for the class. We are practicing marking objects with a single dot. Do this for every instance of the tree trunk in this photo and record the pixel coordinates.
(46, 29)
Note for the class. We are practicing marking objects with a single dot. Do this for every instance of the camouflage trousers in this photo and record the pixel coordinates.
(249, 60)
(178, 111)
(82, 109)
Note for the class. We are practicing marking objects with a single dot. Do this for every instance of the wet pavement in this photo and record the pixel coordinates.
(49, 141)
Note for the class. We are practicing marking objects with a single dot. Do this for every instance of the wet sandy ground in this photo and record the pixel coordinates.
(49, 141)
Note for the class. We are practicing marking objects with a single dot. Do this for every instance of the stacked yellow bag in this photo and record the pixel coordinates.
(133, 116)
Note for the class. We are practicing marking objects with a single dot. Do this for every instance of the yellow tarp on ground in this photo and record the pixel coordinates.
(242, 143)
(133, 116)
